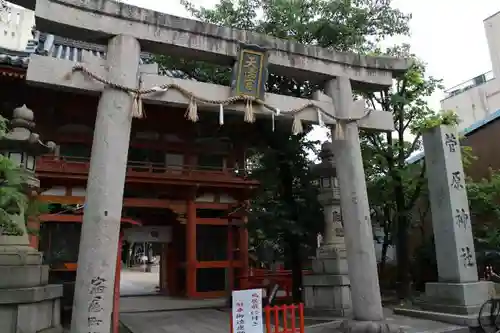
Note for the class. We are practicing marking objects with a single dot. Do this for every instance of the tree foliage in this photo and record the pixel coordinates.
(286, 204)
(484, 197)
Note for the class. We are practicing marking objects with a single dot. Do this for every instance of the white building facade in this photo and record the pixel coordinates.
(479, 98)
(16, 24)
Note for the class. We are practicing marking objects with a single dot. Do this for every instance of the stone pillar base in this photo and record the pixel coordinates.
(327, 295)
(28, 303)
(327, 291)
(456, 298)
(31, 310)
(454, 303)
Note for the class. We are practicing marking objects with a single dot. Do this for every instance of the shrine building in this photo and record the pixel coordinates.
(188, 176)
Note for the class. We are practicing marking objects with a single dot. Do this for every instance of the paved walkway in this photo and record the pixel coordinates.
(138, 304)
(162, 314)
(408, 324)
(216, 320)
(188, 321)
(137, 282)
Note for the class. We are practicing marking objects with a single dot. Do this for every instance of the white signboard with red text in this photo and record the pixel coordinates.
(247, 311)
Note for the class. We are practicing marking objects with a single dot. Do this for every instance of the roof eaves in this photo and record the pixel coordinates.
(467, 131)
(14, 58)
(68, 49)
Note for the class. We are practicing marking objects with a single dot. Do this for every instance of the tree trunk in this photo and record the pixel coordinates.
(387, 238)
(385, 247)
(403, 256)
(293, 241)
(296, 266)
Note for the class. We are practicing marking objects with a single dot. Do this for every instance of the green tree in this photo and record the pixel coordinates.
(285, 210)
(484, 203)
(484, 197)
(343, 25)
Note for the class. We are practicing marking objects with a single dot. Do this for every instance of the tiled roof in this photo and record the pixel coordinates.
(62, 48)
(13, 58)
(467, 131)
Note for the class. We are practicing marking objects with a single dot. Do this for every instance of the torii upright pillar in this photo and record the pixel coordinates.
(363, 275)
(93, 302)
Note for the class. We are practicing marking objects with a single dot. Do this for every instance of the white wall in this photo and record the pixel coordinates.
(15, 27)
(492, 28)
(474, 104)
(474, 100)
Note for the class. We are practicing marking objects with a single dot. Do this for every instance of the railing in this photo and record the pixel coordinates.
(79, 165)
(282, 319)
(262, 279)
(478, 80)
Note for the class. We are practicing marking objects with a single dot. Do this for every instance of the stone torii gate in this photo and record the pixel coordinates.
(126, 29)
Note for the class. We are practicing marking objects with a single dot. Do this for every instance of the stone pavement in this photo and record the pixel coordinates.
(408, 324)
(138, 304)
(135, 281)
(187, 321)
(161, 314)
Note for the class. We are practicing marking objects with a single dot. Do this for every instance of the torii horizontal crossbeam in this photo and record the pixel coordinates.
(99, 20)
(52, 72)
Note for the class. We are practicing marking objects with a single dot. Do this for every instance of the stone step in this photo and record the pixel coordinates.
(456, 319)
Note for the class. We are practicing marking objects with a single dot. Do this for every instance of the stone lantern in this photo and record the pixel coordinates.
(22, 146)
(27, 302)
(327, 289)
(329, 198)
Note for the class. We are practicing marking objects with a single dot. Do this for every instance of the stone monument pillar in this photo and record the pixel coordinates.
(458, 290)
(27, 302)
(327, 290)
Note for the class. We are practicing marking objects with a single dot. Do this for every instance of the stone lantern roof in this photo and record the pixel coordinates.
(327, 167)
(21, 137)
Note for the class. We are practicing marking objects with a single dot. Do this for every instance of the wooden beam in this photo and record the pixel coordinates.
(178, 206)
(218, 264)
(212, 221)
(77, 219)
(53, 72)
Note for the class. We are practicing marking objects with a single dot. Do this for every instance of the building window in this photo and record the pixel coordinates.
(16, 158)
(5, 32)
(13, 33)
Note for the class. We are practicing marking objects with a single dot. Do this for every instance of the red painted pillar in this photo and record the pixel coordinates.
(230, 254)
(191, 249)
(116, 298)
(163, 269)
(34, 239)
(172, 268)
(244, 246)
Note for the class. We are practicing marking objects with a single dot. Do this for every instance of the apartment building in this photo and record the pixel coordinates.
(478, 99)
(16, 24)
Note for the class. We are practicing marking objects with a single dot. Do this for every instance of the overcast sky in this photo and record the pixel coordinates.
(447, 34)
